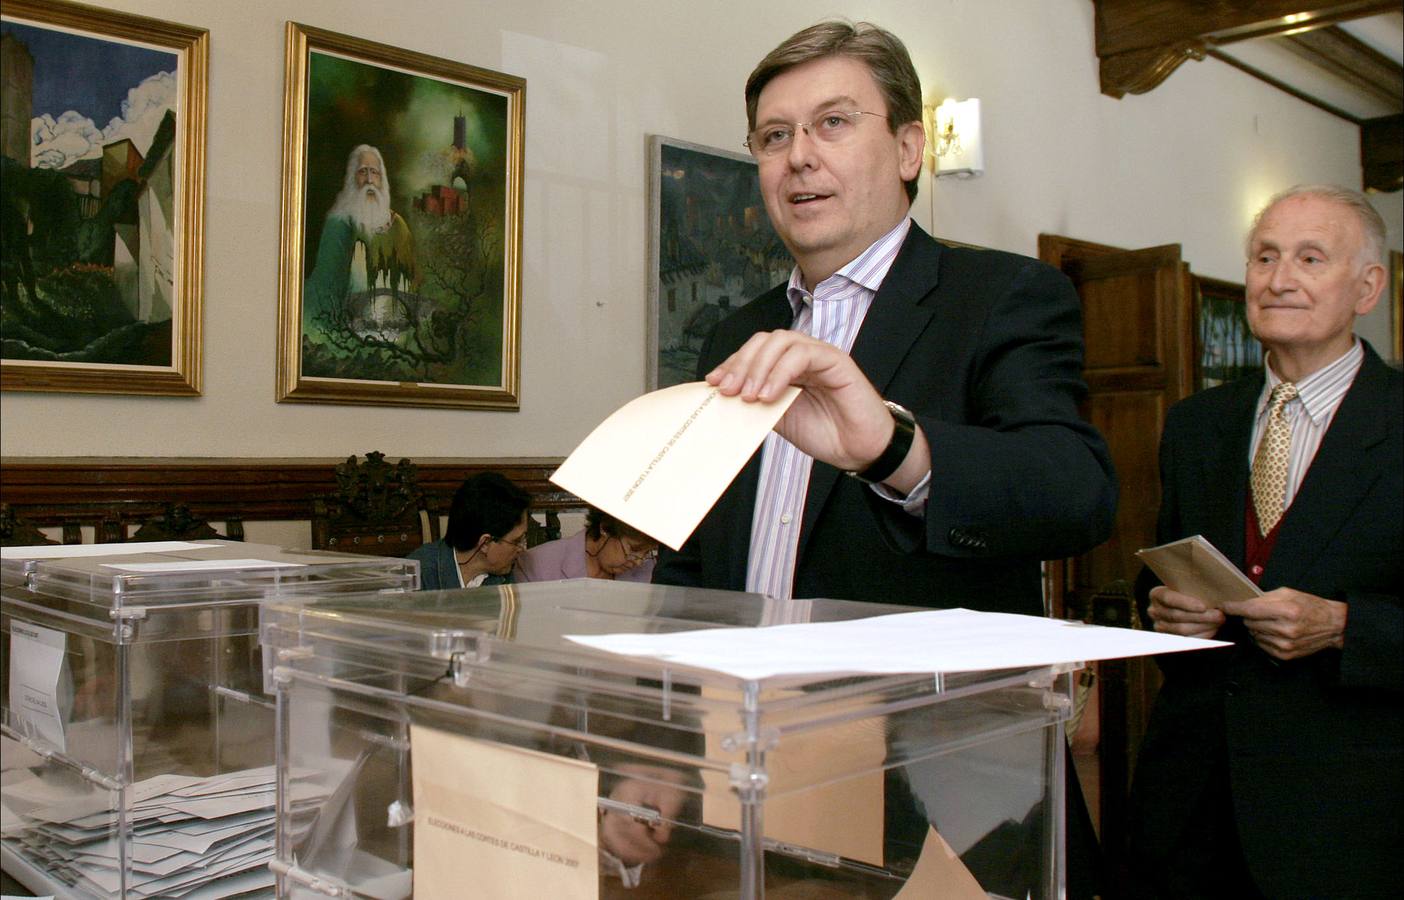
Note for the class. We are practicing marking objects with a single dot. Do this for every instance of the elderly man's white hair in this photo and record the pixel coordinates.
(351, 202)
(1372, 224)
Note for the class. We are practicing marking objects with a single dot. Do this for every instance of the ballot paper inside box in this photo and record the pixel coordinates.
(137, 738)
(459, 734)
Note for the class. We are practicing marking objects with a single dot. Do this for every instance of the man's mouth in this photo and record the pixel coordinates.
(801, 198)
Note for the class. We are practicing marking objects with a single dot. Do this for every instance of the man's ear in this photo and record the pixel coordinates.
(911, 150)
(483, 541)
(1372, 282)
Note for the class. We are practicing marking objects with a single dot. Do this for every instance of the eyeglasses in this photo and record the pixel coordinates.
(832, 127)
(636, 556)
(520, 543)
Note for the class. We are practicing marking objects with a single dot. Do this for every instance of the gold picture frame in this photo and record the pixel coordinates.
(400, 276)
(104, 239)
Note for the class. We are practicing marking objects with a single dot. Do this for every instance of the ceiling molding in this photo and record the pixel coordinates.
(1283, 86)
(1351, 60)
(1140, 43)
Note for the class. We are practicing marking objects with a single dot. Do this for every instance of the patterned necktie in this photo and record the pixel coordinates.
(1270, 465)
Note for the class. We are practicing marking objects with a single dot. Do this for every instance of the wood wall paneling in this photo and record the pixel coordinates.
(49, 492)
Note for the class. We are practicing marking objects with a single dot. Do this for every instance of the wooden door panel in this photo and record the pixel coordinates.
(1125, 418)
(1137, 330)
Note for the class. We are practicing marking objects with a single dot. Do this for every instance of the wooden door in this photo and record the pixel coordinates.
(1137, 323)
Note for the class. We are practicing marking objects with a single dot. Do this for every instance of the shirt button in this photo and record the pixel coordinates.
(785, 518)
(1256, 570)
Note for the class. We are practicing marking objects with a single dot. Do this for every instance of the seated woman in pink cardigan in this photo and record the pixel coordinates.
(606, 548)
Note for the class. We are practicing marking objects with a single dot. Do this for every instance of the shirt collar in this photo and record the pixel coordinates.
(866, 270)
(1320, 391)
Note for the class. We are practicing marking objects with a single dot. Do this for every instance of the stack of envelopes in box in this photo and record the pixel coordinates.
(137, 738)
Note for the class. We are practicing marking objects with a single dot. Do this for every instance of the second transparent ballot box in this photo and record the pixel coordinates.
(459, 739)
(138, 754)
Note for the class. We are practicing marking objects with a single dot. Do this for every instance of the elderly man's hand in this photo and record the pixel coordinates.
(1290, 624)
(1177, 613)
(839, 417)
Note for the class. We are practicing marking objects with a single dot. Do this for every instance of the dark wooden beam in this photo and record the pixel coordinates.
(1382, 153)
(1140, 42)
(1125, 25)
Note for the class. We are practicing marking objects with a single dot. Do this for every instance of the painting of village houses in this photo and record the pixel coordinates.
(713, 251)
(89, 197)
(408, 221)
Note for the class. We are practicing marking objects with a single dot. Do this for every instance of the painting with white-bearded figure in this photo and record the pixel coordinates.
(101, 158)
(403, 210)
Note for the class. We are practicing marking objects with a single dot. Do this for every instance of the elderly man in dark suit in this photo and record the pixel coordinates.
(1276, 768)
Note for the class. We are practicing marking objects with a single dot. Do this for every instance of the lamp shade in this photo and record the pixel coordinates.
(958, 149)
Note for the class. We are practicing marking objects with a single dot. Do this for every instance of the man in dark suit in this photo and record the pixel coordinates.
(984, 467)
(944, 380)
(1276, 767)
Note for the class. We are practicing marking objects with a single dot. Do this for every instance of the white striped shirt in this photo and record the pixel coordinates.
(832, 313)
(1319, 395)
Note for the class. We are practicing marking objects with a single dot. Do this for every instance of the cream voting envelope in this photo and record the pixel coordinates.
(1195, 567)
(660, 461)
(501, 822)
(940, 875)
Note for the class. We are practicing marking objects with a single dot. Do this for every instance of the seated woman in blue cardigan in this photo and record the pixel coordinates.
(487, 528)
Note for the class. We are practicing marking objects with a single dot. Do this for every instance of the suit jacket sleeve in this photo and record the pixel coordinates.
(1016, 472)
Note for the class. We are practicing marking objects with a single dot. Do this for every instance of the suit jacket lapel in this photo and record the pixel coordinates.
(1231, 436)
(895, 320)
(1336, 481)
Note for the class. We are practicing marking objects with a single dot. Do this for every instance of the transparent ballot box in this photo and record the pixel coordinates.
(459, 745)
(138, 753)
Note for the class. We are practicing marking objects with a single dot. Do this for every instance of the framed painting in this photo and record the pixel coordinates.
(102, 192)
(710, 249)
(1226, 348)
(400, 278)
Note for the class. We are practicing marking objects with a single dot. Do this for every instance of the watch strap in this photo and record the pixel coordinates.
(903, 433)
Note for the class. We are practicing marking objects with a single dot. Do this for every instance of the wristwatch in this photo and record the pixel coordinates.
(903, 433)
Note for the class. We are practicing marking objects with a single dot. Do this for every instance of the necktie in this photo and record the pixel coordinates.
(1270, 465)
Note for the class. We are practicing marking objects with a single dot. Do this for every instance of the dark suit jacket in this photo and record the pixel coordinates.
(438, 569)
(985, 348)
(1314, 748)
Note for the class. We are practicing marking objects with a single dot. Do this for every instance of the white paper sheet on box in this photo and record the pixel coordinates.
(945, 640)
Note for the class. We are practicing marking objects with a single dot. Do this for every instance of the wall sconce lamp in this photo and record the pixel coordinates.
(953, 138)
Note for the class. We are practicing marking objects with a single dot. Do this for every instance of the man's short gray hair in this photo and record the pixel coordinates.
(1372, 224)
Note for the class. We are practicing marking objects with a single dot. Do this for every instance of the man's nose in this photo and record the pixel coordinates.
(802, 148)
(1284, 277)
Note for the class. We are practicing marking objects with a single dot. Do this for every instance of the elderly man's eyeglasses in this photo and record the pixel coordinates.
(832, 127)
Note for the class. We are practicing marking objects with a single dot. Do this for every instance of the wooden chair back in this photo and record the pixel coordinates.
(378, 509)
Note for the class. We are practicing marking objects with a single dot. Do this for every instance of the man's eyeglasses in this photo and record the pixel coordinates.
(520, 543)
(832, 127)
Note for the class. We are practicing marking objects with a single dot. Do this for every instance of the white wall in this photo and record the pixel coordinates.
(1187, 163)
